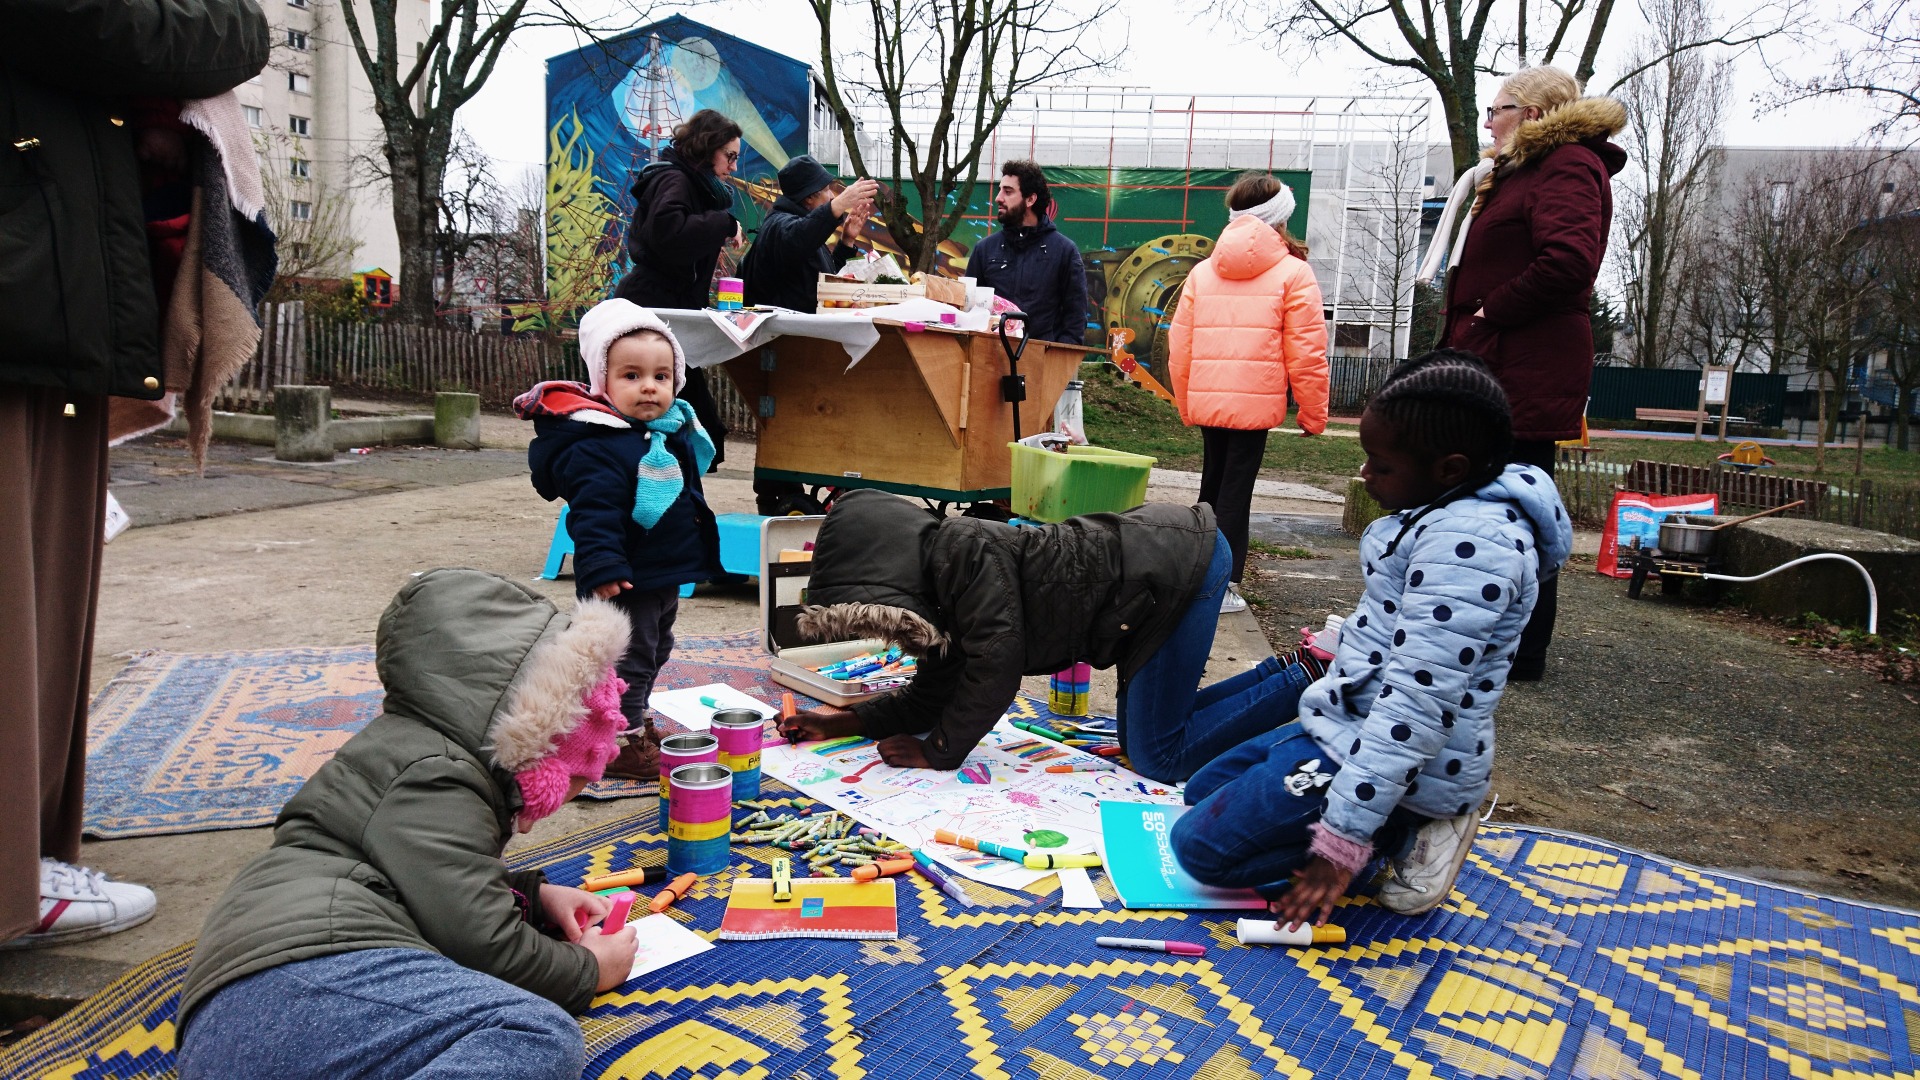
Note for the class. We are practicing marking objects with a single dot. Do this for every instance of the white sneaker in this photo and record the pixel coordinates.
(77, 904)
(1423, 879)
(1231, 600)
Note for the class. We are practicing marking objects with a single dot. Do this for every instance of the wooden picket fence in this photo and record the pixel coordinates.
(419, 361)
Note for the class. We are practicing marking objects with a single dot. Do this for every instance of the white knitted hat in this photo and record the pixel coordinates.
(611, 320)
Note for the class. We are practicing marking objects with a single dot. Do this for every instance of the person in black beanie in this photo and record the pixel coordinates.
(790, 251)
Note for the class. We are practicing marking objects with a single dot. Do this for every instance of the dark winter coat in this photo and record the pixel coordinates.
(1005, 601)
(1038, 270)
(1535, 245)
(590, 456)
(77, 303)
(395, 842)
(681, 219)
(790, 253)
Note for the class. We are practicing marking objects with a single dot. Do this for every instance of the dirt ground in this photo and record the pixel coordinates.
(1665, 726)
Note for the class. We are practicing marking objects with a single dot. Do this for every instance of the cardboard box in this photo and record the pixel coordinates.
(782, 595)
(834, 295)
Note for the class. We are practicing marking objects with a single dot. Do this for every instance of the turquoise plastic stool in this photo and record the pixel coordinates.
(739, 546)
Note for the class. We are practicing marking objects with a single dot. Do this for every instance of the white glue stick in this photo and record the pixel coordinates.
(1268, 932)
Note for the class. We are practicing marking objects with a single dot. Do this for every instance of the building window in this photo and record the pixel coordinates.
(298, 168)
(298, 251)
(297, 3)
(300, 211)
(1779, 194)
(1352, 336)
(296, 39)
(253, 115)
(298, 83)
(296, 125)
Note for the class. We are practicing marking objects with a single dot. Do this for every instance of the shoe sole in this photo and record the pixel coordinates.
(1436, 897)
(49, 940)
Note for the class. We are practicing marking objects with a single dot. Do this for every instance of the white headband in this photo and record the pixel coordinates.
(1275, 211)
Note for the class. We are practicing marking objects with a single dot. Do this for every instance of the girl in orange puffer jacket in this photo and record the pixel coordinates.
(1249, 325)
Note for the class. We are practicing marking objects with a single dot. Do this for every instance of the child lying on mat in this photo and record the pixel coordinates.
(1390, 752)
(381, 935)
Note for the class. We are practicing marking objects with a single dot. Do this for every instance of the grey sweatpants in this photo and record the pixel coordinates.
(377, 1014)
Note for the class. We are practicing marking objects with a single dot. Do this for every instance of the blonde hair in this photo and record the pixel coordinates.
(1253, 188)
(1545, 88)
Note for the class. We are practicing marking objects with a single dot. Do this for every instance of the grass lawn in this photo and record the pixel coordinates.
(1124, 417)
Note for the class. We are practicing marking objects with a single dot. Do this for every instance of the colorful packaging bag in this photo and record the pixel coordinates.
(1636, 516)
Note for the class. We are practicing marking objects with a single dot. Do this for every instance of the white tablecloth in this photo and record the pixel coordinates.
(706, 344)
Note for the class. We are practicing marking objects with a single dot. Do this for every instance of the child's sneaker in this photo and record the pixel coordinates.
(1323, 644)
(639, 756)
(1422, 880)
(1231, 600)
(77, 904)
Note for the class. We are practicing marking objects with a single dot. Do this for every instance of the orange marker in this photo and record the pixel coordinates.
(641, 875)
(787, 712)
(882, 868)
(671, 895)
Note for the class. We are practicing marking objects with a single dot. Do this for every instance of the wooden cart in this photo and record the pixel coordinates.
(920, 415)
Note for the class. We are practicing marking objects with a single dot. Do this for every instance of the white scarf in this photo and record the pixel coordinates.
(1275, 211)
(1463, 194)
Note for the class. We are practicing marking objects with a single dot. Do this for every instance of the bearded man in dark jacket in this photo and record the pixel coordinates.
(80, 321)
(790, 251)
(1029, 262)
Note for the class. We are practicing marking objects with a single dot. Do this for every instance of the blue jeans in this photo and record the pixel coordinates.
(379, 1013)
(1170, 727)
(1252, 806)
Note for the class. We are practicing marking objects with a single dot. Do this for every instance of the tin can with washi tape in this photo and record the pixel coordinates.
(740, 732)
(699, 818)
(688, 748)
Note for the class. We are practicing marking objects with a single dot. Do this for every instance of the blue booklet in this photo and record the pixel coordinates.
(1140, 861)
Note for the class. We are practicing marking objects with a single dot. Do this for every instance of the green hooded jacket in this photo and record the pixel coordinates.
(77, 303)
(396, 842)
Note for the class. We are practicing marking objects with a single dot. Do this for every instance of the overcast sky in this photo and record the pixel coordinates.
(1171, 50)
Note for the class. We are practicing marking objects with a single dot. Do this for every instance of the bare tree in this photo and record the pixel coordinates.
(1883, 65)
(1894, 249)
(1721, 298)
(1451, 43)
(943, 74)
(312, 220)
(1835, 287)
(1674, 108)
(1388, 213)
(418, 84)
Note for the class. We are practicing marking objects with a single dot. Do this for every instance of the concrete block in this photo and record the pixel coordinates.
(382, 431)
(301, 415)
(1361, 511)
(1829, 587)
(456, 421)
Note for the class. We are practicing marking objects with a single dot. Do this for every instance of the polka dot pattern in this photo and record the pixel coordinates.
(1423, 677)
(1364, 792)
(1401, 733)
(1490, 592)
(1388, 607)
(1453, 767)
(1464, 550)
(1399, 638)
(1414, 579)
(1466, 656)
(1442, 613)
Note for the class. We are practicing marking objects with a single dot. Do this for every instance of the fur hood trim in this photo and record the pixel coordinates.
(895, 625)
(545, 702)
(1576, 121)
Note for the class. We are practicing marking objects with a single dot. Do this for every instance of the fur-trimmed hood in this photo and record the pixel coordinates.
(1589, 120)
(852, 622)
(492, 665)
(869, 576)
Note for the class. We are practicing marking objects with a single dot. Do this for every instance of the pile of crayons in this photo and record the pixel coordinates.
(833, 839)
(1092, 742)
(884, 664)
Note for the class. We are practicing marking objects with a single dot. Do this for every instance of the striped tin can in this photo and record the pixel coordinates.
(739, 732)
(689, 748)
(1067, 690)
(699, 818)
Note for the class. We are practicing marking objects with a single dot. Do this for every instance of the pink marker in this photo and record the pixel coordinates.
(1178, 948)
(617, 918)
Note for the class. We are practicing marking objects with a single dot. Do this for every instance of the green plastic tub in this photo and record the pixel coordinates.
(1050, 486)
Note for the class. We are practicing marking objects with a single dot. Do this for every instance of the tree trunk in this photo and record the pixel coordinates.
(1461, 107)
(1820, 431)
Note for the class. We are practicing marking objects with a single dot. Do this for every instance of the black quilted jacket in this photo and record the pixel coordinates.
(1012, 601)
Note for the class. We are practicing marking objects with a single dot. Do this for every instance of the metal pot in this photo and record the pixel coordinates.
(1684, 535)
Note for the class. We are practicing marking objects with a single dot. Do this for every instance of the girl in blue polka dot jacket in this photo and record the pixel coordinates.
(1389, 752)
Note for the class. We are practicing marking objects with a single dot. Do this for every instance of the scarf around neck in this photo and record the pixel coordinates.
(659, 482)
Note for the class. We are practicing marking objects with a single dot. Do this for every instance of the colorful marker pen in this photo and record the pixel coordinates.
(616, 919)
(1011, 854)
(1178, 948)
(1059, 862)
(939, 876)
(1082, 766)
(1036, 729)
(881, 868)
(639, 875)
(782, 880)
(671, 895)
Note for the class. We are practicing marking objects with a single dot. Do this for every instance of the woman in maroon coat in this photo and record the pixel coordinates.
(1518, 295)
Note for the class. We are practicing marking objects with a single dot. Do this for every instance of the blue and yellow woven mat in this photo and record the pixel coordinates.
(1558, 956)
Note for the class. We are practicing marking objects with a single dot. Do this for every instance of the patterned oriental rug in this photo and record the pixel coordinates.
(1558, 956)
(185, 742)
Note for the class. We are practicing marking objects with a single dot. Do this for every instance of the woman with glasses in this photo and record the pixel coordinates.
(1521, 270)
(682, 217)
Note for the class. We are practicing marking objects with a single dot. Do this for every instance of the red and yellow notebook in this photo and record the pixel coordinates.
(821, 907)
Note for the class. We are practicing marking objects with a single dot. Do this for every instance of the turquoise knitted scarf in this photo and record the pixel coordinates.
(660, 483)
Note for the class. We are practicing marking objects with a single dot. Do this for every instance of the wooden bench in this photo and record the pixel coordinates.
(1683, 416)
